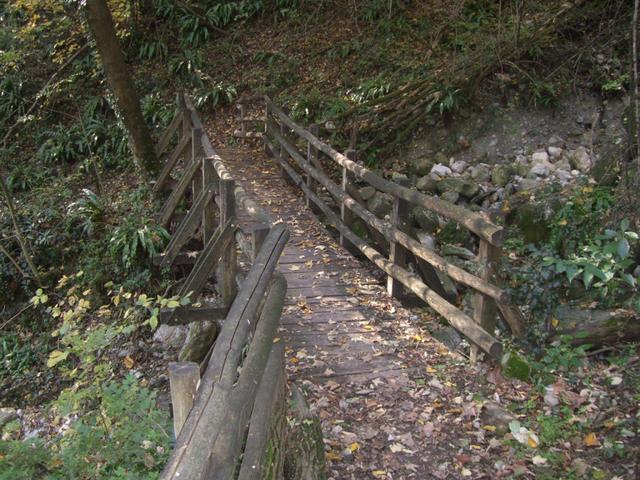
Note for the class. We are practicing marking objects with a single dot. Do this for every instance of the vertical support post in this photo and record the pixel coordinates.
(183, 382)
(312, 158)
(283, 153)
(346, 215)
(484, 309)
(258, 235)
(243, 125)
(397, 253)
(196, 157)
(228, 263)
(186, 115)
(267, 114)
(209, 177)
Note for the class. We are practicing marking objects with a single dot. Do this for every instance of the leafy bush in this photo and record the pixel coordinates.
(132, 243)
(90, 211)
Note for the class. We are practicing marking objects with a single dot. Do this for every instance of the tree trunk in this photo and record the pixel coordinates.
(596, 327)
(121, 84)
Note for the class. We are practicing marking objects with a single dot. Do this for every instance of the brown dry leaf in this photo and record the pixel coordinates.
(590, 440)
(128, 362)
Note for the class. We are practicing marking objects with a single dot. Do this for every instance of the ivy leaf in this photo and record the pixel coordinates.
(56, 357)
(587, 278)
(623, 248)
(627, 277)
(173, 304)
(153, 322)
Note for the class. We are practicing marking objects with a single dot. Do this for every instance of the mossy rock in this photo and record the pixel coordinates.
(514, 366)
(534, 229)
(453, 233)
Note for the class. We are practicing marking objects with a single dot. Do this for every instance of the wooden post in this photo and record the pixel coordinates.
(312, 158)
(183, 382)
(243, 125)
(258, 235)
(196, 155)
(186, 115)
(267, 114)
(484, 310)
(209, 176)
(397, 253)
(346, 215)
(228, 263)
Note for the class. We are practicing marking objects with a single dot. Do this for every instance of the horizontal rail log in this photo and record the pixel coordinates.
(165, 138)
(459, 320)
(170, 164)
(473, 221)
(190, 457)
(228, 446)
(178, 192)
(391, 233)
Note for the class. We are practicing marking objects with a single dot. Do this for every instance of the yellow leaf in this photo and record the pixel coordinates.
(591, 440)
(379, 473)
(555, 322)
(489, 428)
(333, 456)
(431, 370)
(128, 362)
(56, 357)
(355, 446)
(532, 442)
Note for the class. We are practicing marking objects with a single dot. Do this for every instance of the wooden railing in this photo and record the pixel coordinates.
(285, 141)
(229, 421)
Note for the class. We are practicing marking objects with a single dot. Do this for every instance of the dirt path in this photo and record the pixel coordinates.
(393, 402)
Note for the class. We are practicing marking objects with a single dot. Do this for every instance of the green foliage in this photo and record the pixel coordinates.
(602, 263)
(90, 212)
(185, 63)
(558, 358)
(133, 243)
(370, 90)
(210, 94)
(120, 435)
(154, 49)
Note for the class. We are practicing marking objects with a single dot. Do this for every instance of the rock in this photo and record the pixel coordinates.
(427, 240)
(380, 204)
(451, 197)
(7, 415)
(454, 234)
(171, 337)
(367, 192)
(532, 225)
(426, 184)
(527, 184)
(563, 164)
(496, 415)
(425, 219)
(540, 157)
(580, 159)
(422, 166)
(461, 252)
(401, 179)
(542, 169)
(458, 166)
(501, 175)
(556, 141)
(555, 152)
(440, 170)
(199, 339)
(480, 173)
(453, 184)
(448, 336)
(564, 176)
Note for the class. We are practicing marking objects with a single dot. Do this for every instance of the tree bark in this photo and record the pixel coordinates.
(596, 327)
(115, 69)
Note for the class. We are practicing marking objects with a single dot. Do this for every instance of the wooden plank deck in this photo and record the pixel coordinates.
(362, 357)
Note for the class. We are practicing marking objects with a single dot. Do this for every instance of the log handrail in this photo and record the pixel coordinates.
(473, 221)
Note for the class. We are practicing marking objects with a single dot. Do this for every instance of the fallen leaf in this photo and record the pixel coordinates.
(128, 362)
(591, 440)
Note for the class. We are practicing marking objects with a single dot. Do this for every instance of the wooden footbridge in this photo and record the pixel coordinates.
(276, 288)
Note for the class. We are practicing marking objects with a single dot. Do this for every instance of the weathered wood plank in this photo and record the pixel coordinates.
(183, 381)
(165, 139)
(190, 457)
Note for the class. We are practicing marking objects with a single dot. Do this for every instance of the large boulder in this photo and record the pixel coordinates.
(502, 174)
(367, 192)
(458, 166)
(401, 179)
(425, 219)
(440, 170)
(541, 169)
(580, 159)
(380, 204)
(539, 157)
(457, 185)
(426, 184)
(422, 165)
(480, 173)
